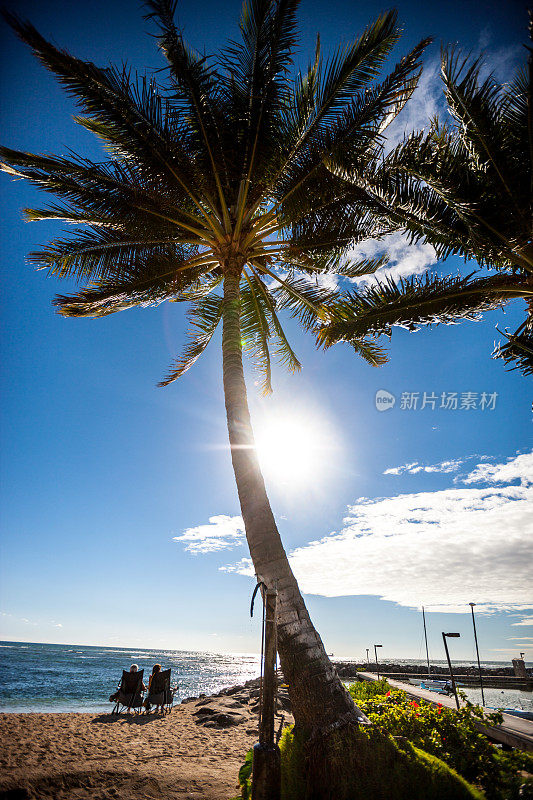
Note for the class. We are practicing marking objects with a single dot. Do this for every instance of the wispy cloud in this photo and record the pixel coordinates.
(526, 621)
(427, 101)
(520, 638)
(242, 567)
(441, 549)
(517, 468)
(221, 533)
(415, 467)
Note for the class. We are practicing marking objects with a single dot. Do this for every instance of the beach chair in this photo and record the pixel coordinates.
(160, 693)
(130, 693)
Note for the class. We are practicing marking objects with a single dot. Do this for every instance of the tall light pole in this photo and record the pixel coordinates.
(455, 636)
(367, 656)
(376, 652)
(477, 651)
(426, 638)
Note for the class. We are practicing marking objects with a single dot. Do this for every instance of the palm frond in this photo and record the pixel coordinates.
(196, 97)
(306, 301)
(112, 190)
(129, 114)
(282, 349)
(96, 254)
(328, 90)
(256, 332)
(411, 303)
(204, 317)
(370, 351)
(147, 281)
(517, 351)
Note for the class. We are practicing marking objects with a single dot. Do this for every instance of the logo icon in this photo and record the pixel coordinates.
(384, 400)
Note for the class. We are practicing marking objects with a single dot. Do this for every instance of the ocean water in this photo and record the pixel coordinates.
(59, 678)
(55, 677)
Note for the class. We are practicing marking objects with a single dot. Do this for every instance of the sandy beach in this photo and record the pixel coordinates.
(194, 752)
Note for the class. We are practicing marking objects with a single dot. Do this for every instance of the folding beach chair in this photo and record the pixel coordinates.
(160, 693)
(130, 693)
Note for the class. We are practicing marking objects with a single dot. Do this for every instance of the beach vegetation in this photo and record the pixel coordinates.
(364, 690)
(362, 757)
(453, 737)
(435, 740)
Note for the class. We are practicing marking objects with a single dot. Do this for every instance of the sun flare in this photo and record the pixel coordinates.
(293, 449)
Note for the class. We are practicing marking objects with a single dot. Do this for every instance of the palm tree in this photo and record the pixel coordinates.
(205, 198)
(467, 189)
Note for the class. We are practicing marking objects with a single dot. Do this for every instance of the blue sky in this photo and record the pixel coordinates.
(109, 483)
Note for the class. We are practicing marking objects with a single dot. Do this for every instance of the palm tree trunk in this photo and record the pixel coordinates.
(318, 697)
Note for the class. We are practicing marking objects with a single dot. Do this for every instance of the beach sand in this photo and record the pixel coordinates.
(194, 752)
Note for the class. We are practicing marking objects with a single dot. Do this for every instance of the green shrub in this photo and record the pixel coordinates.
(453, 737)
(370, 764)
(245, 778)
(292, 748)
(364, 690)
(431, 745)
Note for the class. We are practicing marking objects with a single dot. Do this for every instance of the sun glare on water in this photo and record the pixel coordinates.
(293, 450)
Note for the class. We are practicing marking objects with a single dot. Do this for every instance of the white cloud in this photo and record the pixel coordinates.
(221, 533)
(501, 61)
(520, 638)
(242, 567)
(404, 259)
(427, 101)
(441, 549)
(413, 468)
(516, 468)
(526, 622)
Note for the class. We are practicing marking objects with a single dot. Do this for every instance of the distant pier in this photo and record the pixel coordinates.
(492, 679)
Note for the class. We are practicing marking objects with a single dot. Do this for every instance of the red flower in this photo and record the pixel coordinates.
(414, 704)
(388, 694)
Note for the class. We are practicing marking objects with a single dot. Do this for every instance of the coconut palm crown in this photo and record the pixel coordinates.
(465, 187)
(217, 169)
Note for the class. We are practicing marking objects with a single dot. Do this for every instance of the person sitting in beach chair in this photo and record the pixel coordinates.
(160, 694)
(130, 690)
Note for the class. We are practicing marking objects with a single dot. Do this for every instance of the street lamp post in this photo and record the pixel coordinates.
(477, 652)
(455, 636)
(367, 656)
(376, 652)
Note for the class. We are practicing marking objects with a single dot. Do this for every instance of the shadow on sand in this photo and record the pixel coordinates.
(132, 719)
